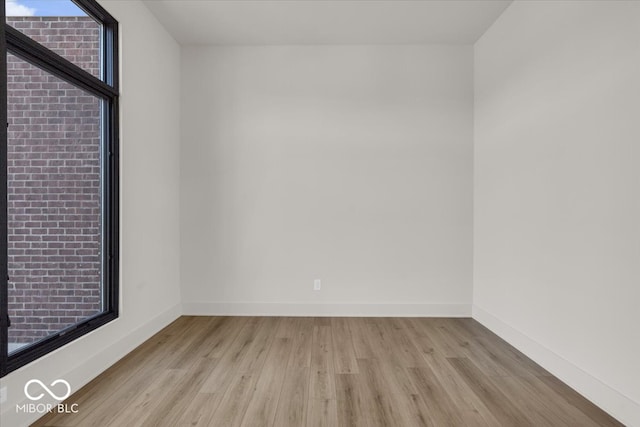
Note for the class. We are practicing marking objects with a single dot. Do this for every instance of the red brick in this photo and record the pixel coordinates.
(54, 185)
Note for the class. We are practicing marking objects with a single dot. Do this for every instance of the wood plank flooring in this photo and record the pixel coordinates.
(314, 372)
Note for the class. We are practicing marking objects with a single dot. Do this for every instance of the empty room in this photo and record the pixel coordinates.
(306, 213)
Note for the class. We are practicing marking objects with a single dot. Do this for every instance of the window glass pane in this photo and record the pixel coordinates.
(61, 26)
(54, 204)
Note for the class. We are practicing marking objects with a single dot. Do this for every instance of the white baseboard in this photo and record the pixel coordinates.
(324, 309)
(612, 401)
(94, 366)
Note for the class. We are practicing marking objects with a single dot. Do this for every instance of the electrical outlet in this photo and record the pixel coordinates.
(316, 285)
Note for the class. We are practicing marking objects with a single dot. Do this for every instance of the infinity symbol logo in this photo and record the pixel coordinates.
(52, 394)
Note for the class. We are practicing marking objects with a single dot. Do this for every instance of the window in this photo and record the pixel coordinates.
(58, 175)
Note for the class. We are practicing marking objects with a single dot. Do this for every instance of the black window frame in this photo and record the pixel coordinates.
(107, 89)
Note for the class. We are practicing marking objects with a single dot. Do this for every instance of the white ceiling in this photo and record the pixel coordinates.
(246, 22)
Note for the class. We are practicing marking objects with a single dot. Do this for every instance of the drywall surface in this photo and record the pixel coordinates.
(557, 190)
(348, 164)
(149, 213)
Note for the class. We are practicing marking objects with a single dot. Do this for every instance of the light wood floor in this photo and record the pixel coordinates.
(270, 371)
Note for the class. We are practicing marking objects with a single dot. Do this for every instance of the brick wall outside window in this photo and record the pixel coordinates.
(54, 184)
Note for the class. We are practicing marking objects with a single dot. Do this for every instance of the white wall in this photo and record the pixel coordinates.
(557, 192)
(354, 165)
(150, 213)
(348, 164)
